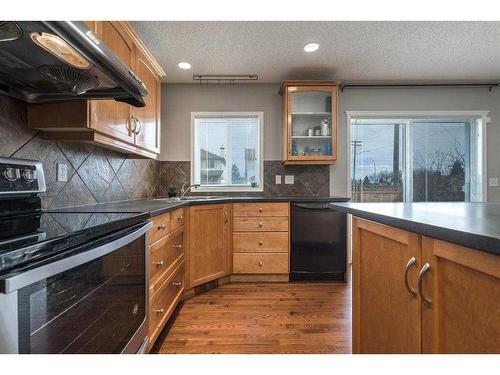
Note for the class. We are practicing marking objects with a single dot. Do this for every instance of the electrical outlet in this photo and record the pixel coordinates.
(278, 179)
(62, 172)
(289, 179)
(493, 181)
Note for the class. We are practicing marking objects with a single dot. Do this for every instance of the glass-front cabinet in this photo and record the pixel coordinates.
(309, 122)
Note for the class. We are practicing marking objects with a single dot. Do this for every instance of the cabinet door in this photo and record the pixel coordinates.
(311, 124)
(109, 116)
(462, 287)
(209, 230)
(386, 315)
(147, 119)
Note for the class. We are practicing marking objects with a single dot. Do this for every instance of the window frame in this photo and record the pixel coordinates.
(423, 115)
(259, 150)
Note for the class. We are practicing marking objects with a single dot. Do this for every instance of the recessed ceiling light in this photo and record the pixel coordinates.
(311, 47)
(184, 65)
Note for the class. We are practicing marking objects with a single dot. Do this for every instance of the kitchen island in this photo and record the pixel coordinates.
(426, 277)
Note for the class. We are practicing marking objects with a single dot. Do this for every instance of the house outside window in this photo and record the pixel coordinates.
(227, 149)
(420, 157)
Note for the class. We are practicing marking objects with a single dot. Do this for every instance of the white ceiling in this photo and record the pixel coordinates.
(349, 51)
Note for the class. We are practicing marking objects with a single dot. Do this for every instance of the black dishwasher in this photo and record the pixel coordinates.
(319, 243)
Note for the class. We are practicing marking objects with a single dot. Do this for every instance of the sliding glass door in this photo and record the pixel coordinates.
(416, 160)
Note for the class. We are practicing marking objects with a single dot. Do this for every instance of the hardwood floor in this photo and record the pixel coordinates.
(262, 318)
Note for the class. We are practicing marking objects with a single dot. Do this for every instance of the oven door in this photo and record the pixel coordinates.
(91, 302)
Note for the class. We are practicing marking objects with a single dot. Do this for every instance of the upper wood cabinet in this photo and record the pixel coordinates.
(147, 119)
(110, 123)
(109, 116)
(414, 294)
(209, 250)
(309, 122)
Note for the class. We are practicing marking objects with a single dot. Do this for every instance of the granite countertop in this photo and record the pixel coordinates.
(475, 225)
(157, 206)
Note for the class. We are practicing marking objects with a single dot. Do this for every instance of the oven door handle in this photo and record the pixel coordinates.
(29, 277)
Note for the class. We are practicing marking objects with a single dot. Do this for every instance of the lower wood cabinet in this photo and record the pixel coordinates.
(269, 263)
(209, 251)
(163, 302)
(261, 241)
(166, 270)
(386, 315)
(462, 287)
(414, 294)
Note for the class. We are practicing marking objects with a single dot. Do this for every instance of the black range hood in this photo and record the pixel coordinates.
(45, 61)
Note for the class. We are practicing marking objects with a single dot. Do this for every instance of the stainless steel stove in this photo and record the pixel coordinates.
(69, 282)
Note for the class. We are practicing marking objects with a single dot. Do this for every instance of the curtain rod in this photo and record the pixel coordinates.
(221, 78)
(490, 86)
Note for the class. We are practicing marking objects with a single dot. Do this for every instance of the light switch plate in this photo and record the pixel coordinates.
(289, 179)
(62, 172)
(493, 181)
(278, 179)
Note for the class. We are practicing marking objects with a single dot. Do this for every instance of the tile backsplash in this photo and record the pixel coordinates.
(96, 174)
(311, 180)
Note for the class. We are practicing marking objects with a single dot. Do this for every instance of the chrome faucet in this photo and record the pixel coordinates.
(185, 191)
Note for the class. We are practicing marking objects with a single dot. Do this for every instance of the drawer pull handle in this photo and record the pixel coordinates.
(161, 226)
(260, 263)
(159, 311)
(261, 209)
(177, 283)
(177, 246)
(260, 224)
(261, 243)
(179, 218)
(159, 264)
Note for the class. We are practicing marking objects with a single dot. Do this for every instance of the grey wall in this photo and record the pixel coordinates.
(95, 174)
(179, 100)
(418, 99)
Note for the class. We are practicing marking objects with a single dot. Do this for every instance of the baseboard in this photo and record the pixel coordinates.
(205, 287)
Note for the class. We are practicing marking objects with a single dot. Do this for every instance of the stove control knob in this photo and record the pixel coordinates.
(11, 174)
(29, 175)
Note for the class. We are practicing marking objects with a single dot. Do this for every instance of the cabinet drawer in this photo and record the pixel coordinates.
(161, 227)
(177, 219)
(162, 303)
(260, 263)
(260, 224)
(260, 209)
(260, 242)
(164, 253)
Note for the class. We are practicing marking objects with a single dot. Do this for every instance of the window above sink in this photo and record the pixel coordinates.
(227, 151)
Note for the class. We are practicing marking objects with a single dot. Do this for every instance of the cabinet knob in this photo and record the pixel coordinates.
(177, 283)
(261, 209)
(161, 226)
(260, 263)
(260, 243)
(159, 263)
(159, 311)
(177, 246)
(260, 224)
(179, 218)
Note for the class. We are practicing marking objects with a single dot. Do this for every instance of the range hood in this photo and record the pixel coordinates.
(45, 61)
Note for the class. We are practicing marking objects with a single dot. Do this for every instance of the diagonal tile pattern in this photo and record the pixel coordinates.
(96, 174)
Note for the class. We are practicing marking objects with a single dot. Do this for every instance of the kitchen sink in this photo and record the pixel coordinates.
(188, 198)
